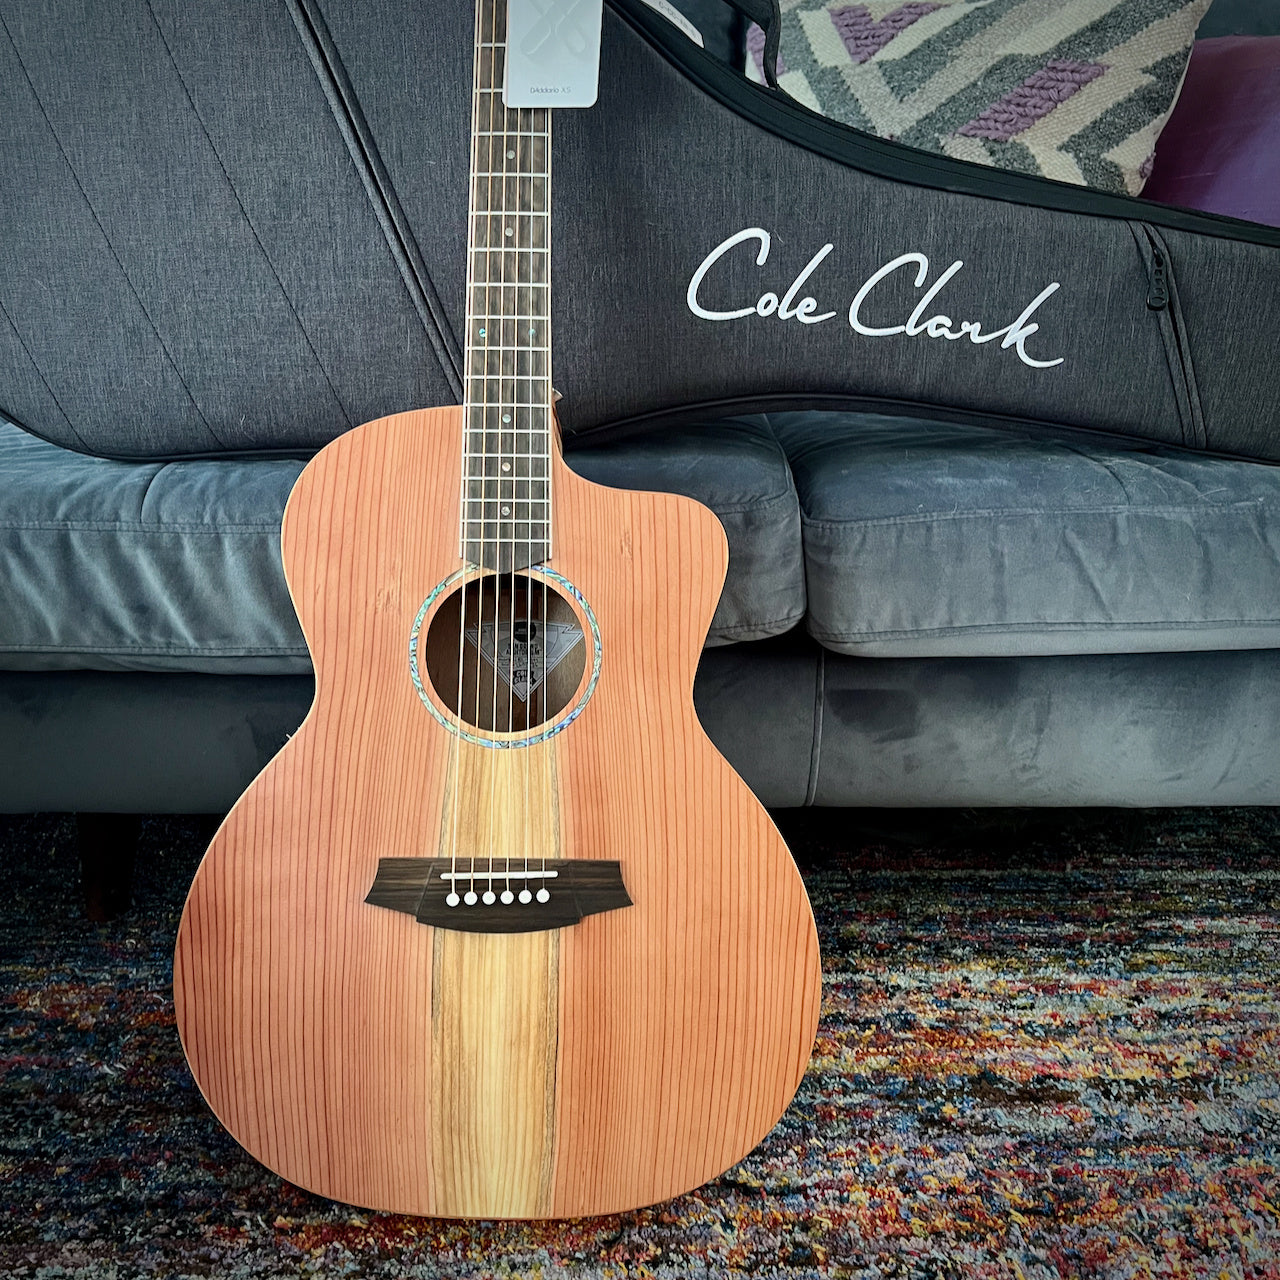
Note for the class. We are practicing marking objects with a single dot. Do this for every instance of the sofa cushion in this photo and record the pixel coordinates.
(176, 566)
(735, 466)
(143, 566)
(930, 538)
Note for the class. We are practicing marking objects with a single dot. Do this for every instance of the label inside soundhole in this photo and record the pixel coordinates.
(506, 652)
(524, 652)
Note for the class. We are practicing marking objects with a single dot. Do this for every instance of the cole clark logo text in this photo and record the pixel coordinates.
(805, 310)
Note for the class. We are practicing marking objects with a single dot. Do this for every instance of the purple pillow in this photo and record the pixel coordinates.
(1220, 150)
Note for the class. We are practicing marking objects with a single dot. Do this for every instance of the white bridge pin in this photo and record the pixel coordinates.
(451, 899)
(489, 897)
(508, 897)
(543, 896)
(525, 895)
(470, 898)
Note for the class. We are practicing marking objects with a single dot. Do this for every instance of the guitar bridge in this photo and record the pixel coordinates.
(498, 895)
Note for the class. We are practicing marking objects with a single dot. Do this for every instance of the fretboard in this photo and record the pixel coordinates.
(506, 480)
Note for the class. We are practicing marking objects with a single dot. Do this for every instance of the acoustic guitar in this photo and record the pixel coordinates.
(498, 933)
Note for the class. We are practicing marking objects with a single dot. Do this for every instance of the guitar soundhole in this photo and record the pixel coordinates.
(506, 652)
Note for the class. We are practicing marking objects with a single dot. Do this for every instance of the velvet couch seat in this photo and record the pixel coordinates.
(917, 612)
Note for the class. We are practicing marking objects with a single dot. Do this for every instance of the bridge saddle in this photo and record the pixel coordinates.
(498, 895)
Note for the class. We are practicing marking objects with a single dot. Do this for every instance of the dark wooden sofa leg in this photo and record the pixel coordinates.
(108, 843)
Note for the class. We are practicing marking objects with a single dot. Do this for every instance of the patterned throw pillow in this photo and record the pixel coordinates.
(1076, 90)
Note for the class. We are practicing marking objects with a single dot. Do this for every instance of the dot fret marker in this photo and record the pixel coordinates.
(508, 367)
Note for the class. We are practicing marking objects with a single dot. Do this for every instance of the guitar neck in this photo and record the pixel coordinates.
(506, 482)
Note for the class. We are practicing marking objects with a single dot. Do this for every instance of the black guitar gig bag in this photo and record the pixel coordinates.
(236, 227)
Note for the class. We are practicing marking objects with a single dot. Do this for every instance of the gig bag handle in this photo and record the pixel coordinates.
(767, 15)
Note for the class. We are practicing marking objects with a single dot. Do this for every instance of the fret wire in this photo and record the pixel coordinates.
(525, 135)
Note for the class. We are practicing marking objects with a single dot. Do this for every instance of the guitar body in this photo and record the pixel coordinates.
(549, 1072)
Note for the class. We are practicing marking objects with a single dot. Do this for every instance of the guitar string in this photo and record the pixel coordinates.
(498, 761)
(468, 410)
(550, 426)
(530, 687)
(494, 108)
(489, 346)
(529, 690)
(524, 137)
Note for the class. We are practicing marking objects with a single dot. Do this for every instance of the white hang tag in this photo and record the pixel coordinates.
(677, 19)
(553, 53)
(524, 660)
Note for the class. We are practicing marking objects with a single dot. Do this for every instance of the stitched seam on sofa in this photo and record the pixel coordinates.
(741, 508)
(22, 342)
(244, 213)
(761, 505)
(1032, 513)
(789, 620)
(782, 454)
(765, 508)
(1033, 627)
(93, 213)
(146, 493)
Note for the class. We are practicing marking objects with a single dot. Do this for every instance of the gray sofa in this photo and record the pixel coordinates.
(919, 611)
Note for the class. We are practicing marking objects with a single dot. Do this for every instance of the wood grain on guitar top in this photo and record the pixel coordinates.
(590, 1069)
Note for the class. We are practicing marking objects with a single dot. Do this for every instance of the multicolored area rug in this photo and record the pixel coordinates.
(1050, 1048)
